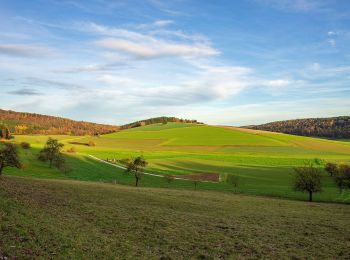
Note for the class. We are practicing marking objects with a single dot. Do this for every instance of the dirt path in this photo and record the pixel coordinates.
(145, 173)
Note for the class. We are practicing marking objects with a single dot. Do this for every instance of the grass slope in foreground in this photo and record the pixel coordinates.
(263, 161)
(71, 219)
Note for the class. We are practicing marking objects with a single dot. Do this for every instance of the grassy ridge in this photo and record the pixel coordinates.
(263, 161)
(69, 220)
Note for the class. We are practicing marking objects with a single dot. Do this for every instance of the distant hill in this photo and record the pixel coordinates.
(30, 123)
(157, 120)
(332, 127)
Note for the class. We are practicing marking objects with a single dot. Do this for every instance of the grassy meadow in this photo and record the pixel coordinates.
(63, 219)
(263, 161)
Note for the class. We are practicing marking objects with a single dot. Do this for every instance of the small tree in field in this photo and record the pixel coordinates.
(169, 179)
(331, 168)
(308, 179)
(232, 180)
(9, 157)
(52, 153)
(136, 167)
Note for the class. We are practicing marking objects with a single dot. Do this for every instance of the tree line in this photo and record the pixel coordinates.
(30, 123)
(157, 120)
(332, 127)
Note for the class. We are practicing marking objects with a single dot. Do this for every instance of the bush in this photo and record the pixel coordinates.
(91, 143)
(72, 150)
(25, 145)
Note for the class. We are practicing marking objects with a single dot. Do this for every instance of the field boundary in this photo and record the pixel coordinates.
(146, 173)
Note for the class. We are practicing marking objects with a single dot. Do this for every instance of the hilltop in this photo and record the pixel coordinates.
(157, 120)
(331, 127)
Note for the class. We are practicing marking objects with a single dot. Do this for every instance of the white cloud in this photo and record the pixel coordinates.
(154, 44)
(161, 23)
(156, 48)
(278, 83)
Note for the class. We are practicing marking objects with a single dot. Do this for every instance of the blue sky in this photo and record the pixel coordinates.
(221, 62)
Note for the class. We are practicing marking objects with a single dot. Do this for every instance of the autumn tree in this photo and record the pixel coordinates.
(52, 153)
(136, 167)
(308, 179)
(9, 157)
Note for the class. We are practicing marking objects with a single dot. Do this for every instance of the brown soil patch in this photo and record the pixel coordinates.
(202, 176)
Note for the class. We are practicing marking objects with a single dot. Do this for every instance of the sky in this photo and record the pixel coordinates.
(226, 62)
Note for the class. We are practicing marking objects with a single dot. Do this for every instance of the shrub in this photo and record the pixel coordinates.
(25, 145)
(72, 150)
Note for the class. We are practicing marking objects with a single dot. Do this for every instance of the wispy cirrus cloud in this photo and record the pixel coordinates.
(156, 48)
(148, 46)
(25, 50)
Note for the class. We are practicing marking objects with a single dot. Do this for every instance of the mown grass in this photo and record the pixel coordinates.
(263, 161)
(84, 220)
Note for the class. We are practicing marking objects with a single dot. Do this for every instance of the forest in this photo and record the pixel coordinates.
(332, 127)
(12, 122)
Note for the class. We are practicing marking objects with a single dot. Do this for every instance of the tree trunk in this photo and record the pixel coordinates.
(1, 168)
(310, 196)
(136, 181)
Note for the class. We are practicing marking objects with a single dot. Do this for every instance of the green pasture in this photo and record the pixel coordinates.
(263, 161)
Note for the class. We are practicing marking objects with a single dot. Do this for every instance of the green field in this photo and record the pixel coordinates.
(263, 161)
(60, 219)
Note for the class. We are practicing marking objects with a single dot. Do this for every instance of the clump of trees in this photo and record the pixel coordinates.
(308, 178)
(5, 133)
(52, 153)
(157, 120)
(332, 127)
(136, 166)
(9, 157)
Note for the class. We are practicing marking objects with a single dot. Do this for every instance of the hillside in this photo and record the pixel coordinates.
(263, 161)
(30, 123)
(332, 127)
(84, 220)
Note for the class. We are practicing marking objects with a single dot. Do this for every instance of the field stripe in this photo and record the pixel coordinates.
(146, 173)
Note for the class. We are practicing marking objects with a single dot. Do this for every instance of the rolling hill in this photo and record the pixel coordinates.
(263, 161)
(331, 127)
(30, 123)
